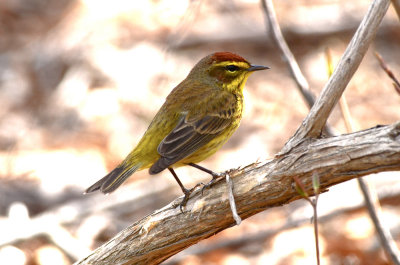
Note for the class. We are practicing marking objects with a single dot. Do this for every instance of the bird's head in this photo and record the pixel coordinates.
(228, 70)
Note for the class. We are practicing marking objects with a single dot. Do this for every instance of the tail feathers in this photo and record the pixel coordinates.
(113, 180)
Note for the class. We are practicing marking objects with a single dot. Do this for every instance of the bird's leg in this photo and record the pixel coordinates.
(184, 190)
(214, 175)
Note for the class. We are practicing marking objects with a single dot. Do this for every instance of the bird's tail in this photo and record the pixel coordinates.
(114, 179)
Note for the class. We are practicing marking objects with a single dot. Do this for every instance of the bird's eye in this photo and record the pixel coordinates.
(232, 67)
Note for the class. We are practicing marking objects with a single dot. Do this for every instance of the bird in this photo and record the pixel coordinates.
(198, 116)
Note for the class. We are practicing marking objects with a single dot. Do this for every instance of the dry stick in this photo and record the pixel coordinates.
(167, 231)
(389, 72)
(374, 211)
(370, 197)
(302, 85)
(344, 107)
(303, 192)
(301, 82)
(229, 184)
(373, 205)
(385, 237)
(316, 186)
(294, 68)
(348, 64)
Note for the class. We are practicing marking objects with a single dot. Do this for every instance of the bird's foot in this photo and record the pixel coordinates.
(215, 177)
(187, 193)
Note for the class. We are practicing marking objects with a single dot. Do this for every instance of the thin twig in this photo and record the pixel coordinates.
(277, 36)
(348, 64)
(369, 194)
(232, 203)
(303, 86)
(276, 32)
(316, 187)
(294, 68)
(303, 192)
(344, 107)
(316, 235)
(374, 211)
(389, 72)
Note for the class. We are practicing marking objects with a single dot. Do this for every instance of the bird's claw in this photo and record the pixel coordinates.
(187, 196)
(187, 192)
(215, 177)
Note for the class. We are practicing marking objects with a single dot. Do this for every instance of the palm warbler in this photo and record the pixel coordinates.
(197, 118)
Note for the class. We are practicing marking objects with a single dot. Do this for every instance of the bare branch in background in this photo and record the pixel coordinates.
(288, 56)
(389, 72)
(348, 64)
(384, 236)
(370, 197)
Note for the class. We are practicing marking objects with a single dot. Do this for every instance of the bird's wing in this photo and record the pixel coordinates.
(195, 129)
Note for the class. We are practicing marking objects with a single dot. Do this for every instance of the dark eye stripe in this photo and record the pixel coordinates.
(232, 67)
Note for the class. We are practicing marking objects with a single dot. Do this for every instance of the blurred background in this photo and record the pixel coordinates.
(81, 80)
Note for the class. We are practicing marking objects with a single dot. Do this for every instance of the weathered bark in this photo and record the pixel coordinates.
(256, 188)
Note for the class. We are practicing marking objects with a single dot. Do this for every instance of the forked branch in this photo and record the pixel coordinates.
(347, 66)
(257, 187)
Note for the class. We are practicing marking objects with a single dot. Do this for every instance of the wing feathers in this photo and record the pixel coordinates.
(192, 132)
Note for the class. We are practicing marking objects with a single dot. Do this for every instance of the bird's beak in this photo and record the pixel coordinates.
(253, 68)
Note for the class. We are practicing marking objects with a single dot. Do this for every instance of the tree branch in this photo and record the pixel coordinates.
(257, 187)
(287, 55)
(348, 64)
